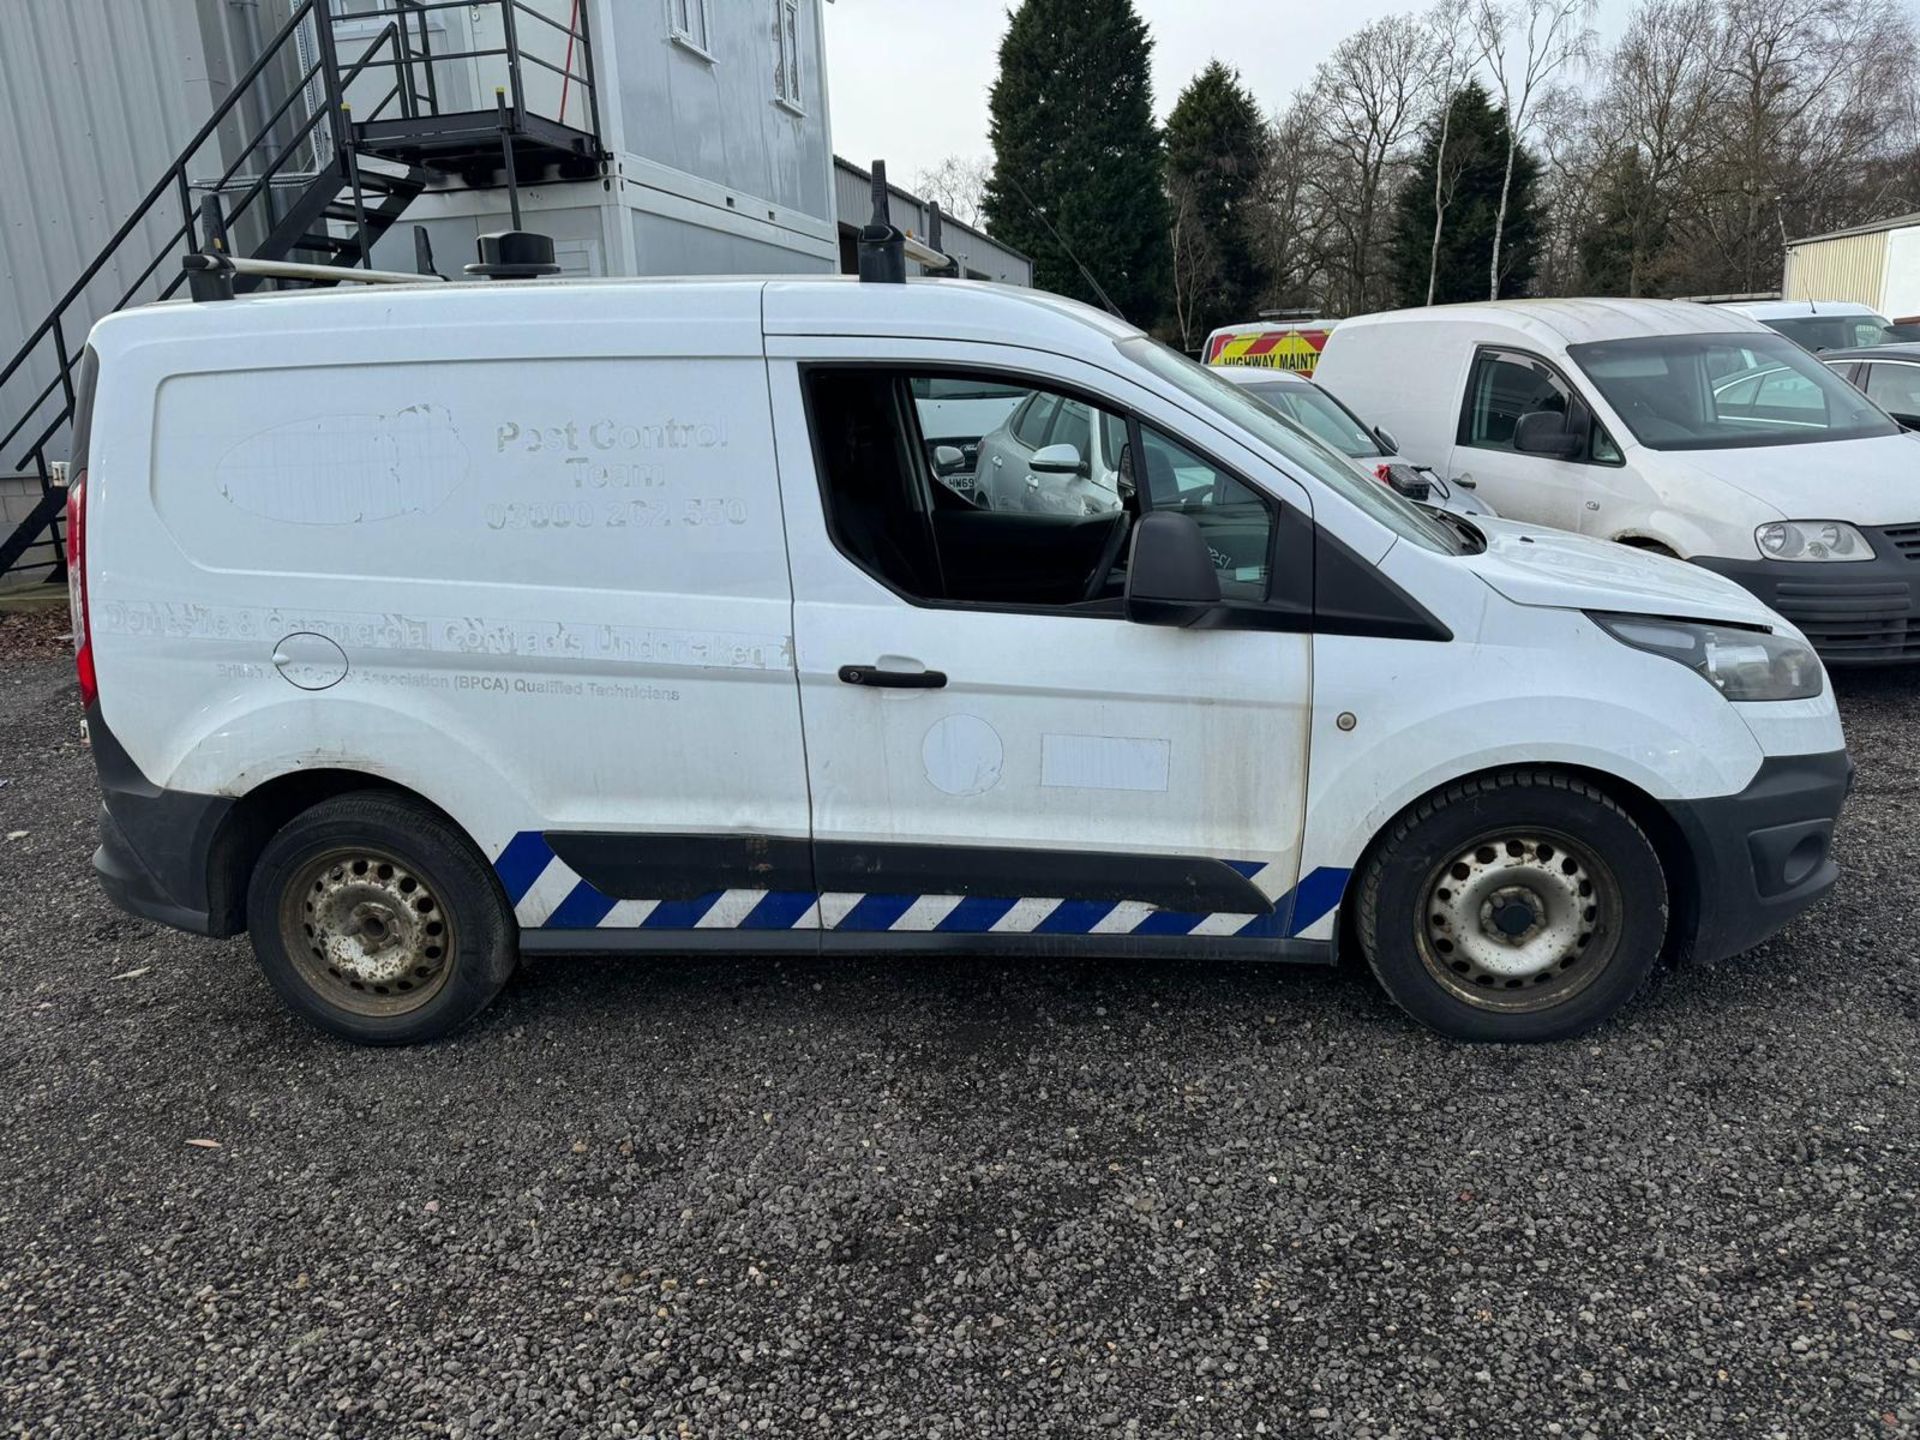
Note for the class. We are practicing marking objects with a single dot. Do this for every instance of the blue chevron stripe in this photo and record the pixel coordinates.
(527, 857)
(583, 909)
(520, 864)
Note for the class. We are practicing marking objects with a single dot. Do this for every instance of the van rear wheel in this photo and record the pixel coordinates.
(376, 920)
(1520, 906)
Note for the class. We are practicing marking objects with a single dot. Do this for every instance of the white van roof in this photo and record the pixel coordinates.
(782, 304)
(1572, 322)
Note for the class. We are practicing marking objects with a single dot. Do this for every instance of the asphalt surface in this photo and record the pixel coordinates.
(947, 1198)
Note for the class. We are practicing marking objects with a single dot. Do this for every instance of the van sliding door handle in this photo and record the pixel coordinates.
(874, 676)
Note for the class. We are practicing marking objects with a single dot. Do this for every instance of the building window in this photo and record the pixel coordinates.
(786, 53)
(687, 22)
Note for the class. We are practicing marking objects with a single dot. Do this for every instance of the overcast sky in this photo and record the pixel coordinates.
(908, 79)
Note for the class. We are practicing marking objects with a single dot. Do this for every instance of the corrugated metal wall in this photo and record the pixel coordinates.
(1846, 267)
(96, 99)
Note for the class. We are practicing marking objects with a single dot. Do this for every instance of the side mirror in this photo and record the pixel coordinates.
(1388, 445)
(1171, 579)
(948, 458)
(1056, 460)
(1545, 432)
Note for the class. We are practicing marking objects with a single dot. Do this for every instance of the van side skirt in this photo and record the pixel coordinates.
(830, 942)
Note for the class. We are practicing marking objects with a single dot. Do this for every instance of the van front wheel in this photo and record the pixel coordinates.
(1520, 906)
(377, 920)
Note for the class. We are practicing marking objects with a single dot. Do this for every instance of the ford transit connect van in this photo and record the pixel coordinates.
(1670, 426)
(424, 626)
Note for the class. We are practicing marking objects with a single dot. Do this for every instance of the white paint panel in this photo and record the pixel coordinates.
(1900, 290)
(926, 912)
(730, 909)
(1104, 762)
(556, 882)
(628, 913)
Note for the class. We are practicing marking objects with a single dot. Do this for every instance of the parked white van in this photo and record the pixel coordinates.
(423, 626)
(1671, 426)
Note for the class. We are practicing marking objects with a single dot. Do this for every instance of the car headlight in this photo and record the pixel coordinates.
(1812, 540)
(1741, 664)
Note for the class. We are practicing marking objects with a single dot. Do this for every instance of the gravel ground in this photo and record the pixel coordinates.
(947, 1198)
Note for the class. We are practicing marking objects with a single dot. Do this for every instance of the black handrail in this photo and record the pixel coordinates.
(167, 182)
(404, 46)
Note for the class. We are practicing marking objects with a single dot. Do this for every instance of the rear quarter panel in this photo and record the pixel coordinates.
(526, 554)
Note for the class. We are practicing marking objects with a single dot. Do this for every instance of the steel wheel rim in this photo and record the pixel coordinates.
(367, 931)
(1519, 919)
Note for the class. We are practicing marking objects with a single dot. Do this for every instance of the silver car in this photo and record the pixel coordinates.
(1315, 410)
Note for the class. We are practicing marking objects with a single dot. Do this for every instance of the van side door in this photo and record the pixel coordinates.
(992, 747)
(1568, 491)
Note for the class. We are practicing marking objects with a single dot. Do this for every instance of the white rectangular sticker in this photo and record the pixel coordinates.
(1103, 762)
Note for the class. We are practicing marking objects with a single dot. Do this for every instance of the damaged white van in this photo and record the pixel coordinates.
(421, 627)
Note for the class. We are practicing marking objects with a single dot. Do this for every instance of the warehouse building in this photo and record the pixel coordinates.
(1876, 265)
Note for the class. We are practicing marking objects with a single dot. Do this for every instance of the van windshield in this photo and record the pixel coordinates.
(1311, 454)
(1725, 392)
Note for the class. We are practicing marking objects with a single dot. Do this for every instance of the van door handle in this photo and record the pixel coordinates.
(873, 676)
(1464, 479)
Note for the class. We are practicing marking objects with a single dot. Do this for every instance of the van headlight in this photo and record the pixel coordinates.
(1740, 664)
(1812, 540)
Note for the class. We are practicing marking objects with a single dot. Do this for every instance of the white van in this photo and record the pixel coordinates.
(1670, 426)
(423, 626)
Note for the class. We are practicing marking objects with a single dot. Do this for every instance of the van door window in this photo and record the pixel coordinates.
(1236, 519)
(1506, 385)
(1041, 524)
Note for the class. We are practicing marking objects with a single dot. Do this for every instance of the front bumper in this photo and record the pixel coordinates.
(1762, 856)
(1855, 612)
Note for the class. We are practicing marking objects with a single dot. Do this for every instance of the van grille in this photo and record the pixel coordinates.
(1854, 622)
(1905, 539)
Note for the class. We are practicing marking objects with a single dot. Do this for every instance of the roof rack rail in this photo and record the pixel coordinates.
(885, 248)
(210, 276)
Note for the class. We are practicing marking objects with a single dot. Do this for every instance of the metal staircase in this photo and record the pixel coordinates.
(313, 157)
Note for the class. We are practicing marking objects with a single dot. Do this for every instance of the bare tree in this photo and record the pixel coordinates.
(1816, 89)
(1366, 101)
(1523, 43)
(957, 184)
(1451, 59)
(1294, 225)
(1664, 83)
(1196, 266)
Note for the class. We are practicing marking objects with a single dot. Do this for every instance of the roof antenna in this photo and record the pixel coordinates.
(1067, 249)
(950, 270)
(423, 253)
(883, 247)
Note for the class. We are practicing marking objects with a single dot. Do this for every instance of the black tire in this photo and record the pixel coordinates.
(1520, 906)
(378, 921)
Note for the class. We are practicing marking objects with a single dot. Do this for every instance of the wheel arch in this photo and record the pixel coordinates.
(1677, 860)
(258, 815)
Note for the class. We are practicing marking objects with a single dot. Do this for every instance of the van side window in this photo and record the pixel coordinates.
(1506, 385)
(950, 491)
(1004, 493)
(1235, 518)
(1503, 388)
